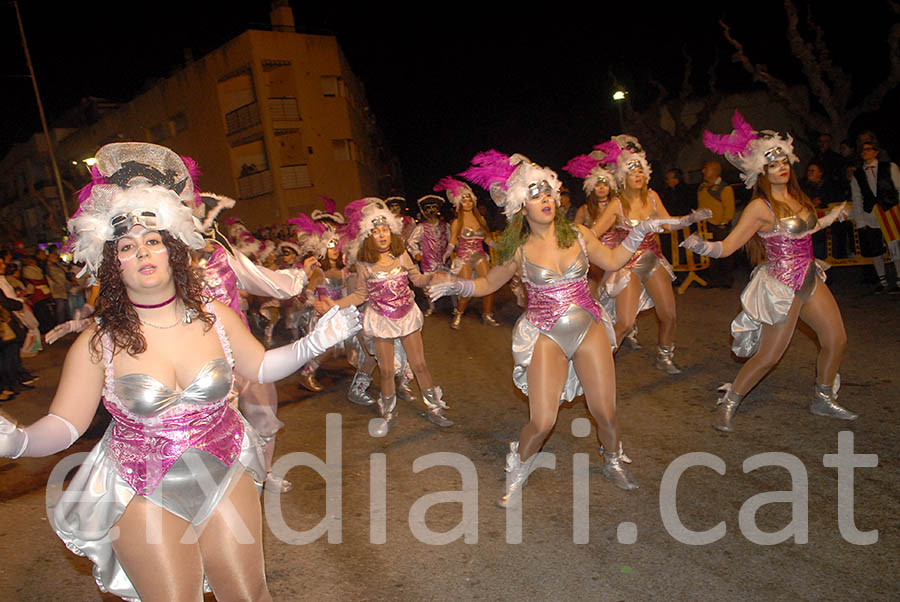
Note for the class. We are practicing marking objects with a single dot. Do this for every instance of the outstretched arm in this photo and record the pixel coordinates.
(606, 220)
(754, 218)
(497, 277)
(71, 411)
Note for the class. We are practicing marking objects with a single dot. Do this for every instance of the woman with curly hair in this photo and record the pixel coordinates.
(175, 472)
(788, 284)
(562, 344)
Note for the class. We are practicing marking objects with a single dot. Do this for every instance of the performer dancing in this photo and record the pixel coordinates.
(787, 286)
(384, 270)
(162, 361)
(652, 285)
(467, 236)
(429, 243)
(562, 344)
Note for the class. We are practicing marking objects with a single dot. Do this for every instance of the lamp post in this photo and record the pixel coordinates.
(619, 97)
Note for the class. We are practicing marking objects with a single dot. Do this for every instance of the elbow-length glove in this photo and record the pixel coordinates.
(47, 436)
(447, 253)
(697, 245)
(648, 226)
(456, 286)
(333, 327)
(697, 215)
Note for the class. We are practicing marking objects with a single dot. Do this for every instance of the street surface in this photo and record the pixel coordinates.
(624, 549)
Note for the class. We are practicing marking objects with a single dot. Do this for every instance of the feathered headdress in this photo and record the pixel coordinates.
(362, 217)
(454, 189)
(624, 153)
(314, 237)
(288, 245)
(750, 150)
(209, 208)
(431, 199)
(330, 213)
(510, 178)
(129, 181)
(92, 227)
(249, 245)
(588, 168)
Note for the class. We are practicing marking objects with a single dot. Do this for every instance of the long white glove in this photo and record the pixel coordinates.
(837, 213)
(457, 286)
(637, 234)
(447, 252)
(333, 327)
(697, 245)
(47, 436)
(697, 215)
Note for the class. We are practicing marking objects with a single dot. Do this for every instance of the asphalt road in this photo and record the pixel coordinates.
(399, 538)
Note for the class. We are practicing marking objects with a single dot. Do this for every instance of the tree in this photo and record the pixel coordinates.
(826, 102)
(665, 127)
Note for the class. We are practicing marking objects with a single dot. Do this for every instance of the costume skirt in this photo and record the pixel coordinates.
(97, 496)
(383, 327)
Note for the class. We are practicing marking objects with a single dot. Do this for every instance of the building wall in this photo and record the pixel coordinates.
(274, 119)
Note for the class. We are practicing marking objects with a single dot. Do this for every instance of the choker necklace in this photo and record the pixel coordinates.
(154, 305)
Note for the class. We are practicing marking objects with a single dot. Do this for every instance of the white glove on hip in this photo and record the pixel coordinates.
(333, 327)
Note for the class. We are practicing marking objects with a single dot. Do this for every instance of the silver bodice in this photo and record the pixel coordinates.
(468, 232)
(541, 275)
(145, 396)
(795, 224)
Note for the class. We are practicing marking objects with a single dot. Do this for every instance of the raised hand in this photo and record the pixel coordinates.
(697, 245)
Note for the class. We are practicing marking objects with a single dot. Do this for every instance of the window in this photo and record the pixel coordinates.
(331, 85)
(284, 109)
(295, 176)
(344, 149)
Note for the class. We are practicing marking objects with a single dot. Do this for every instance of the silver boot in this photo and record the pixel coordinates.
(387, 406)
(517, 473)
(824, 403)
(727, 408)
(490, 320)
(664, 357)
(401, 386)
(430, 309)
(615, 471)
(308, 378)
(358, 392)
(435, 406)
(630, 339)
(456, 322)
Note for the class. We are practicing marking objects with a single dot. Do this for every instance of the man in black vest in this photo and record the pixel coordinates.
(876, 183)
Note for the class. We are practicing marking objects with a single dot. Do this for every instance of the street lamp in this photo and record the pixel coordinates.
(619, 97)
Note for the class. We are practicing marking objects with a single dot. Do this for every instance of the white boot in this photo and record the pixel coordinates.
(824, 402)
(517, 473)
(435, 406)
(615, 470)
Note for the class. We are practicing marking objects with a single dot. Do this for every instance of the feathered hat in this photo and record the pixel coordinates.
(750, 150)
(395, 200)
(511, 180)
(454, 189)
(132, 183)
(362, 217)
(314, 236)
(249, 245)
(429, 199)
(331, 213)
(280, 247)
(624, 153)
(589, 168)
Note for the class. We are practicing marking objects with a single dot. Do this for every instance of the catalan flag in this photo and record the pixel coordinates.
(889, 221)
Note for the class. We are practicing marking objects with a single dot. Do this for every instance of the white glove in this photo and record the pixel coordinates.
(637, 234)
(447, 253)
(65, 328)
(47, 436)
(838, 213)
(697, 215)
(333, 327)
(457, 286)
(697, 245)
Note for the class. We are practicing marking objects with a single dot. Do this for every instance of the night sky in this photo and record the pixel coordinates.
(443, 87)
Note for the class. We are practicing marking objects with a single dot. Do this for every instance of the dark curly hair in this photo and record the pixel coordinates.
(115, 313)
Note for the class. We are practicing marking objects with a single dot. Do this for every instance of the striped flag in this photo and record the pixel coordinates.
(889, 221)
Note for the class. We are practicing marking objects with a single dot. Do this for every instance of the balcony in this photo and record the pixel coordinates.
(242, 118)
(284, 108)
(255, 184)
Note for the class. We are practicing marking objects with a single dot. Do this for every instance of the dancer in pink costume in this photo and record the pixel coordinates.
(646, 280)
(163, 361)
(384, 270)
(562, 345)
(789, 285)
(467, 236)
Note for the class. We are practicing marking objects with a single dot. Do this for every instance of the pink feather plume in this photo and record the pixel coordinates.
(353, 213)
(85, 192)
(734, 143)
(194, 172)
(610, 150)
(330, 204)
(487, 168)
(306, 224)
(581, 166)
(448, 183)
